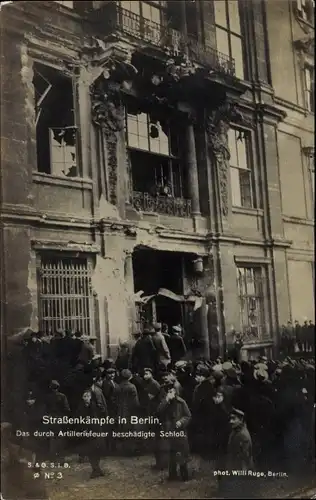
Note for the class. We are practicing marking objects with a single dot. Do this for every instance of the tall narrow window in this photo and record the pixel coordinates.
(229, 35)
(65, 295)
(240, 168)
(309, 81)
(56, 133)
(156, 165)
(251, 292)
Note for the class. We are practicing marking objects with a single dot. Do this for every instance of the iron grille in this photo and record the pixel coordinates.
(178, 207)
(65, 295)
(168, 39)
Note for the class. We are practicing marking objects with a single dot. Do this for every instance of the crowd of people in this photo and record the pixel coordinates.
(243, 415)
(298, 338)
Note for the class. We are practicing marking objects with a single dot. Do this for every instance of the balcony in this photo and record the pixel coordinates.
(177, 207)
(171, 42)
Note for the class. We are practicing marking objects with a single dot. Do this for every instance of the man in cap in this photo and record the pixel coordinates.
(90, 446)
(239, 457)
(175, 417)
(128, 406)
(110, 389)
(56, 406)
(162, 349)
(176, 345)
(202, 407)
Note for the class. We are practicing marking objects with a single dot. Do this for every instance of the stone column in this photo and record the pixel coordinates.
(193, 177)
(129, 286)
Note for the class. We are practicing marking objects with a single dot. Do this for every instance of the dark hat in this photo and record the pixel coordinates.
(147, 370)
(54, 384)
(237, 413)
(203, 371)
(126, 374)
(110, 370)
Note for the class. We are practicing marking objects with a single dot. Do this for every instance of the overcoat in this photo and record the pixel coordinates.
(239, 450)
(169, 413)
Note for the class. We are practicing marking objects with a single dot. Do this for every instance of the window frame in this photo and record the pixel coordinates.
(309, 93)
(171, 159)
(90, 319)
(64, 74)
(250, 167)
(261, 298)
(230, 33)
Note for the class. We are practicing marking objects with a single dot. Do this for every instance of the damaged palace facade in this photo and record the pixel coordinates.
(157, 164)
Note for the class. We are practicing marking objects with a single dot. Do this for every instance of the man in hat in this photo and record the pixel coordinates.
(238, 458)
(144, 354)
(151, 390)
(90, 446)
(176, 345)
(56, 406)
(98, 396)
(123, 360)
(127, 406)
(231, 386)
(162, 349)
(202, 408)
(110, 389)
(175, 417)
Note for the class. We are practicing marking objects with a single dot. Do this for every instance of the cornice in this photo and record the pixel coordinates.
(71, 246)
(268, 111)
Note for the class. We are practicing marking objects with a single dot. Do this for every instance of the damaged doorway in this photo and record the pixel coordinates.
(155, 270)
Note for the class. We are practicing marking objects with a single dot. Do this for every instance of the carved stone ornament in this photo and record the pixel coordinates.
(306, 45)
(108, 116)
(217, 126)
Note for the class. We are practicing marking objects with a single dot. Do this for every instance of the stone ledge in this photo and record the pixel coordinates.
(74, 182)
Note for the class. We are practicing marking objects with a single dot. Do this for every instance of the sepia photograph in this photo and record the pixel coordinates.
(157, 267)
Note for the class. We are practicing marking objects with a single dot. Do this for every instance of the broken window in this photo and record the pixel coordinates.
(156, 163)
(241, 173)
(56, 132)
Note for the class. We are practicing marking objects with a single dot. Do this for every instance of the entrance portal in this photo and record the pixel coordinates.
(154, 270)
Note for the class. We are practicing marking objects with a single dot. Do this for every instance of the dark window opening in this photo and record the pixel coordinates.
(156, 165)
(55, 123)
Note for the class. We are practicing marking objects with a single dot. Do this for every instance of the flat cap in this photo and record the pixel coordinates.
(237, 413)
(177, 328)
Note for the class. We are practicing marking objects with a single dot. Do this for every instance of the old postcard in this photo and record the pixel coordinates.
(157, 249)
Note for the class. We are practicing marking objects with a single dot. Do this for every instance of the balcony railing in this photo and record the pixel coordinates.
(178, 207)
(171, 41)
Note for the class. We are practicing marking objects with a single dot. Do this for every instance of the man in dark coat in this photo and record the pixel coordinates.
(127, 406)
(202, 407)
(56, 406)
(144, 353)
(175, 417)
(98, 396)
(90, 446)
(239, 458)
(151, 389)
(110, 389)
(176, 345)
